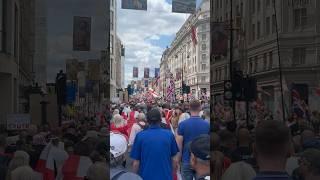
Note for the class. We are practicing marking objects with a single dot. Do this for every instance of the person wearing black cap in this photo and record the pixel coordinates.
(200, 157)
(154, 150)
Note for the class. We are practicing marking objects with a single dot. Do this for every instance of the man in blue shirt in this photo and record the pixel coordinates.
(187, 131)
(272, 144)
(154, 150)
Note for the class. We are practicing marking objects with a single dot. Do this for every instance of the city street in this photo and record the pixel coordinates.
(159, 89)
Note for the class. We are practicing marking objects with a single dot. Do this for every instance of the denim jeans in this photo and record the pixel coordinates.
(187, 172)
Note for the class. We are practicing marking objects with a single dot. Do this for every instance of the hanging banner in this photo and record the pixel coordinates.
(219, 39)
(184, 6)
(157, 72)
(146, 72)
(146, 83)
(134, 4)
(135, 72)
(81, 33)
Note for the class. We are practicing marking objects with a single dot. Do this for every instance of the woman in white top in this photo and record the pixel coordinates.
(138, 126)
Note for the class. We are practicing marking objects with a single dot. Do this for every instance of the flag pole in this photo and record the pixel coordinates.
(279, 61)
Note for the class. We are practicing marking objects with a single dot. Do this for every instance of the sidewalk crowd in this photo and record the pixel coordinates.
(153, 141)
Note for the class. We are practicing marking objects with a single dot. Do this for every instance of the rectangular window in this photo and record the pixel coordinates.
(267, 25)
(253, 6)
(300, 17)
(111, 20)
(258, 5)
(265, 61)
(203, 57)
(253, 32)
(203, 67)
(203, 79)
(225, 72)
(241, 9)
(270, 60)
(220, 3)
(112, 3)
(111, 44)
(203, 27)
(216, 74)
(111, 68)
(256, 64)
(250, 66)
(204, 47)
(299, 56)
(204, 37)
(274, 23)
(258, 30)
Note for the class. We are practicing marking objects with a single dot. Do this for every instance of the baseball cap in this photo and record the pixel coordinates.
(312, 155)
(154, 115)
(118, 144)
(200, 147)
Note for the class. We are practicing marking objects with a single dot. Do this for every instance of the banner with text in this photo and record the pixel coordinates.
(81, 33)
(146, 72)
(18, 121)
(157, 72)
(184, 6)
(134, 4)
(135, 72)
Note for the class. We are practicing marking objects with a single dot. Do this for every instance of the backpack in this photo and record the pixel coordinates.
(4, 162)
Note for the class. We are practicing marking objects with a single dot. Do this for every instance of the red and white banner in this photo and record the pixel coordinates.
(76, 167)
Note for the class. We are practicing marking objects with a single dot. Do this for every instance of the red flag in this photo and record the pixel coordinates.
(194, 35)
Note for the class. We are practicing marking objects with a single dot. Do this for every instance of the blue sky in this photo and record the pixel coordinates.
(146, 34)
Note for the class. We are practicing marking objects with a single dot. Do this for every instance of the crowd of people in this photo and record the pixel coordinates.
(160, 141)
(266, 149)
(75, 151)
(166, 142)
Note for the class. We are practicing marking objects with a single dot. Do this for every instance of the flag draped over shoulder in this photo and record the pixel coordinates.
(51, 161)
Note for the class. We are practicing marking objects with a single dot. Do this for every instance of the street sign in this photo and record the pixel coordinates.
(18, 121)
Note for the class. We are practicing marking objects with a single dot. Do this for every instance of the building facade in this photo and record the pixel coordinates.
(17, 51)
(113, 41)
(187, 58)
(256, 49)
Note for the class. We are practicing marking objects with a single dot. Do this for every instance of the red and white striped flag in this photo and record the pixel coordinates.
(76, 167)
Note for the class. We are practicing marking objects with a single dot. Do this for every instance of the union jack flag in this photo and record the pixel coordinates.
(171, 89)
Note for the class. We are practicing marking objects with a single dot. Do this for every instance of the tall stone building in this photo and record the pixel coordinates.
(113, 40)
(189, 60)
(17, 53)
(256, 50)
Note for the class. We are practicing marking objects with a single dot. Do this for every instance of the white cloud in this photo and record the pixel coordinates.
(138, 29)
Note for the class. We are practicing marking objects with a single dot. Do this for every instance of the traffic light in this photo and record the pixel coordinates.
(185, 89)
(238, 86)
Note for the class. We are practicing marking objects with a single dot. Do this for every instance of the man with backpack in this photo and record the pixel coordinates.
(118, 150)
